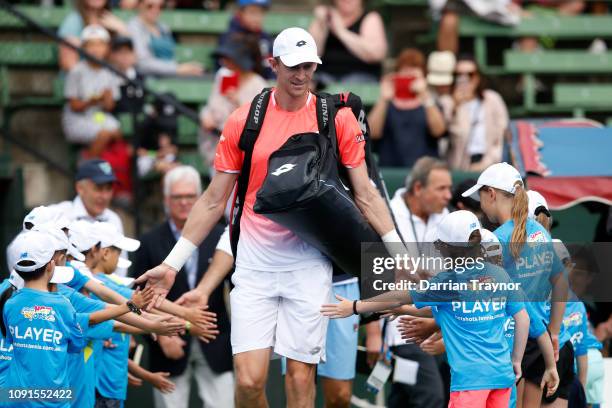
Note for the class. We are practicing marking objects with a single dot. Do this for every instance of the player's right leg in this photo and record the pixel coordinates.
(251, 370)
(254, 315)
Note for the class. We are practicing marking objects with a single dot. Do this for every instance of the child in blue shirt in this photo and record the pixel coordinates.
(483, 366)
(42, 325)
(529, 259)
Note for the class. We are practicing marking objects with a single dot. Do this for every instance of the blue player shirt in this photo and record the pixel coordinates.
(43, 329)
(472, 324)
(533, 269)
(111, 367)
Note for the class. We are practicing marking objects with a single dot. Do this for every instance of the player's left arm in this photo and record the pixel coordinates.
(351, 145)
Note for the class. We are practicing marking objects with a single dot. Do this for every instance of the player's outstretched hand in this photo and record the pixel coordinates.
(338, 310)
(161, 279)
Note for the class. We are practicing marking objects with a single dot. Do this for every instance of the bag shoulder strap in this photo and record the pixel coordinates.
(248, 137)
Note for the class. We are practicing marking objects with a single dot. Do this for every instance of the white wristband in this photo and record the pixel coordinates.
(180, 253)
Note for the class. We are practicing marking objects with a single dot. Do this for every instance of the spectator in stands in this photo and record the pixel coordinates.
(155, 45)
(248, 20)
(440, 68)
(449, 11)
(406, 118)
(237, 82)
(87, 12)
(91, 92)
(158, 128)
(353, 42)
(186, 357)
(477, 120)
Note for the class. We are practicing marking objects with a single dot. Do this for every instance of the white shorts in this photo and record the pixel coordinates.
(281, 310)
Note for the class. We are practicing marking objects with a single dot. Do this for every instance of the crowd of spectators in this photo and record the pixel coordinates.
(439, 106)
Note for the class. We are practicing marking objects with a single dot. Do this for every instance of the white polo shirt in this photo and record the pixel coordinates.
(424, 233)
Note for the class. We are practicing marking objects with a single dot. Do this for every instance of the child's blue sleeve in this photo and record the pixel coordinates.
(513, 307)
(9, 336)
(536, 326)
(101, 331)
(580, 348)
(75, 324)
(78, 280)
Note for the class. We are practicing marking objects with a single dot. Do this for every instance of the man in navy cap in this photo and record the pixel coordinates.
(94, 186)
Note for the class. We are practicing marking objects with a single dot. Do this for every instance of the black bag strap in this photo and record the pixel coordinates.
(248, 137)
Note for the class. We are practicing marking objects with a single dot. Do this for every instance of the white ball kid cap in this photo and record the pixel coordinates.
(43, 215)
(83, 234)
(490, 243)
(536, 200)
(95, 32)
(36, 249)
(295, 46)
(60, 240)
(499, 175)
(110, 236)
(456, 227)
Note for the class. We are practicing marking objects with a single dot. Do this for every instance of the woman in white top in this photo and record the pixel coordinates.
(477, 120)
(237, 82)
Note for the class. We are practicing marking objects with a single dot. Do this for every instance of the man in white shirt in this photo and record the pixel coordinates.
(418, 208)
(94, 186)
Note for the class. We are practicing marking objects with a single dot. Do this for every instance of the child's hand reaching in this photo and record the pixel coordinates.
(160, 381)
(142, 298)
(338, 310)
(550, 381)
(201, 317)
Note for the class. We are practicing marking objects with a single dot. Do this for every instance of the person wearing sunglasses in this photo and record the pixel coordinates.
(477, 119)
(154, 44)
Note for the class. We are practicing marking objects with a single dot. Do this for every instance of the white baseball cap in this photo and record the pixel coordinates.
(37, 248)
(110, 236)
(295, 46)
(43, 215)
(499, 175)
(83, 234)
(95, 32)
(536, 200)
(490, 242)
(440, 68)
(456, 227)
(38, 215)
(60, 240)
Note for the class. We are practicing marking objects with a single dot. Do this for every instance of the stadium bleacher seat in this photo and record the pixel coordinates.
(179, 21)
(554, 62)
(583, 97)
(538, 25)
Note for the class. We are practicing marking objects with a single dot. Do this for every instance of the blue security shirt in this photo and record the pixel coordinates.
(111, 367)
(6, 349)
(472, 324)
(536, 265)
(43, 329)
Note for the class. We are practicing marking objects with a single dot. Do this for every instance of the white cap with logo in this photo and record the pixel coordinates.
(111, 237)
(490, 243)
(536, 200)
(43, 215)
(295, 46)
(36, 249)
(60, 240)
(499, 175)
(83, 234)
(456, 227)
